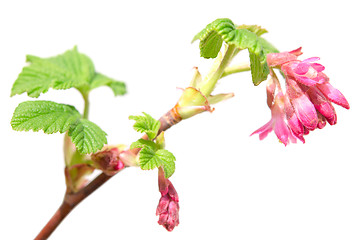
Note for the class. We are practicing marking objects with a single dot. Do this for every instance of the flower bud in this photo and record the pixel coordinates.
(168, 207)
(108, 161)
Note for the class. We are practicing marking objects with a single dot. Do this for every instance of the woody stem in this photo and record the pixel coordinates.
(72, 199)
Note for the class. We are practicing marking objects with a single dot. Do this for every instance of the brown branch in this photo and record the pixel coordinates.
(71, 200)
(59, 215)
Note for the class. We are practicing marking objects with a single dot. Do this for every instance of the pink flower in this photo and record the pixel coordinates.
(277, 122)
(108, 161)
(303, 107)
(168, 207)
(307, 102)
(306, 72)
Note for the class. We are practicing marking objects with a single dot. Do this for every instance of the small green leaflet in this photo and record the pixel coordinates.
(87, 136)
(44, 115)
(150, 159)
(54, 117)
(146, 124)
(144, 143)
(64, 71)
(243, 37)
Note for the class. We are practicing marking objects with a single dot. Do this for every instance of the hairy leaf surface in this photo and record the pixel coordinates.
(150, 159)
(243, 37)
(87, 136)
(48, 116)
(146, 124)
(67, 70)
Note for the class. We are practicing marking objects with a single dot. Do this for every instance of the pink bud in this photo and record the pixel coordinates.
(333, 95)
(163, 204)
(168, 207)
(321, 121)
(322, 105)
(108, 161)
(295, 125)
(304, 109)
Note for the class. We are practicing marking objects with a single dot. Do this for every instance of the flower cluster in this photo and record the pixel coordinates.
(306, 103)
(168, 207)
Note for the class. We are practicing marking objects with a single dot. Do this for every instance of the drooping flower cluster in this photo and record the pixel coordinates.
(168, 207)
(306, 103)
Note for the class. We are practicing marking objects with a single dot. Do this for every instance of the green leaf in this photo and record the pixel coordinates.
(118, 87)
(87, 136)
(168, 161)
(211, 37)
(144, 143)
(70, 69)
(146, 124)
(243, 37)
(150, 159)
(258, 30)
(44, 115)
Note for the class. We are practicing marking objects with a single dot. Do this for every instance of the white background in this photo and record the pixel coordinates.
(231, 186)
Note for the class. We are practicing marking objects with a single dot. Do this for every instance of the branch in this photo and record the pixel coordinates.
(71, 199)
(236, 69)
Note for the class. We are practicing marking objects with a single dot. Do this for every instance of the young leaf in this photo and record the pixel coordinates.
(44, 115)
(243, 37)
(118, 87)
(168, 161)
(211, 37)
(258, 30)
(146, 124)
(70, 69)
(141, 143)
(150, 159)
(87, 136)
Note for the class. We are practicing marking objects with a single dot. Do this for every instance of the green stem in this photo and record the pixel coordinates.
(236, 69)
(86, 104)
(209, 82)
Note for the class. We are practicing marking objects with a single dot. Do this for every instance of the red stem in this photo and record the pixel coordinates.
(71, 200)
(59, 215)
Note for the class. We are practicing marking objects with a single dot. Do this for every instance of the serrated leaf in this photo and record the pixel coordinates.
(48, 116)
(118, 87)
(70, 69)
(150, 159)
(248, 37)
(258, 30)
(168, 161)
(144, 143)
(146, 124)
(211, 38)
(87, 136)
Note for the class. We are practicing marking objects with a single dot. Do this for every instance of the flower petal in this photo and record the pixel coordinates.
(321, 121)
(276, 59)
(264, 130)
(282, 131)
(305, 111)
(312, 59)
(306, 81)
(297, 52)
(333, 95)
(321, 104)
(318, 67)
